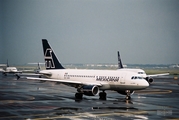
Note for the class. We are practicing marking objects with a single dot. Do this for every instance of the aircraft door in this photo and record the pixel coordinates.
(122, 80)
(61, 75)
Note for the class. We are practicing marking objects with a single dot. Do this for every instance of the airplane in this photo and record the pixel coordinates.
(10, 70)
(34, 72)
(140, 72)
(89, 82)
(174, 66)
(37, 70)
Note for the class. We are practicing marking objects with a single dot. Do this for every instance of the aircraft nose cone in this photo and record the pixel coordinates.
(145, 83)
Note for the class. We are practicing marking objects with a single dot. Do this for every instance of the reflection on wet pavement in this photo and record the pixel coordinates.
(28, 99)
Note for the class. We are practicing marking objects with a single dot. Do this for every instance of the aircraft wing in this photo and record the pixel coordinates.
(156, 75)
(27, 70)
(44, 72)
(13, 72)
(65, 81)
(29, 74)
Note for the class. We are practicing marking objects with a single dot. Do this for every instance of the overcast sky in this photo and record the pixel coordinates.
(90, 31)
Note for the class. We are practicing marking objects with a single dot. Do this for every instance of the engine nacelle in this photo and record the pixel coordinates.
(123, 92)
(90, 90)
(149, 80)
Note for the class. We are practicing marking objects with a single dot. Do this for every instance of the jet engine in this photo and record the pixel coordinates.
(123, 92)
(149, 80)
(90, 90)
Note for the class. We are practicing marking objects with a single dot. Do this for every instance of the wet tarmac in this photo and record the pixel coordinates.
(28, 99)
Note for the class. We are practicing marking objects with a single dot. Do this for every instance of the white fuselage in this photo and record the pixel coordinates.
(108, 79)
(11, 69)
(140, 72)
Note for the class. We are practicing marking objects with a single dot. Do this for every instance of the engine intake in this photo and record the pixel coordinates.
(149, 80)
(90, 90)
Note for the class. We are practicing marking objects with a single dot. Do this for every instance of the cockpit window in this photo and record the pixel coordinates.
(136, 77)
(141, 73)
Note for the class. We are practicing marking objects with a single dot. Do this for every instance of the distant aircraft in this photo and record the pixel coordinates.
(140, 72)
(89, 82)
(174, 66)
(10, 70)
(34, 72)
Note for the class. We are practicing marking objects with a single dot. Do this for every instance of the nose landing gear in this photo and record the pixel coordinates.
(128, 97)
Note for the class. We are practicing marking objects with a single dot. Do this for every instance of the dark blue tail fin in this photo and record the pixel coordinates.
(119, 61)
(51, 61)
(7, 63)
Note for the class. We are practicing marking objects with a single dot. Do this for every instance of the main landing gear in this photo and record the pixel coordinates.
(79, 95)
(18, 76)
(4, 74)
(102, 95)
(128, 97)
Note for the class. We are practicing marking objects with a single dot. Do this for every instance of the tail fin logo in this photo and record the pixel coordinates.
(49, 63)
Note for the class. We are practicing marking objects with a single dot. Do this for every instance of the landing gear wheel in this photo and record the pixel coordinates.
(102, 95)
(18, 76)
(79, 95)
(128, 97)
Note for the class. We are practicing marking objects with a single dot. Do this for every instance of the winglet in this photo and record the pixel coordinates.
(51, 61)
